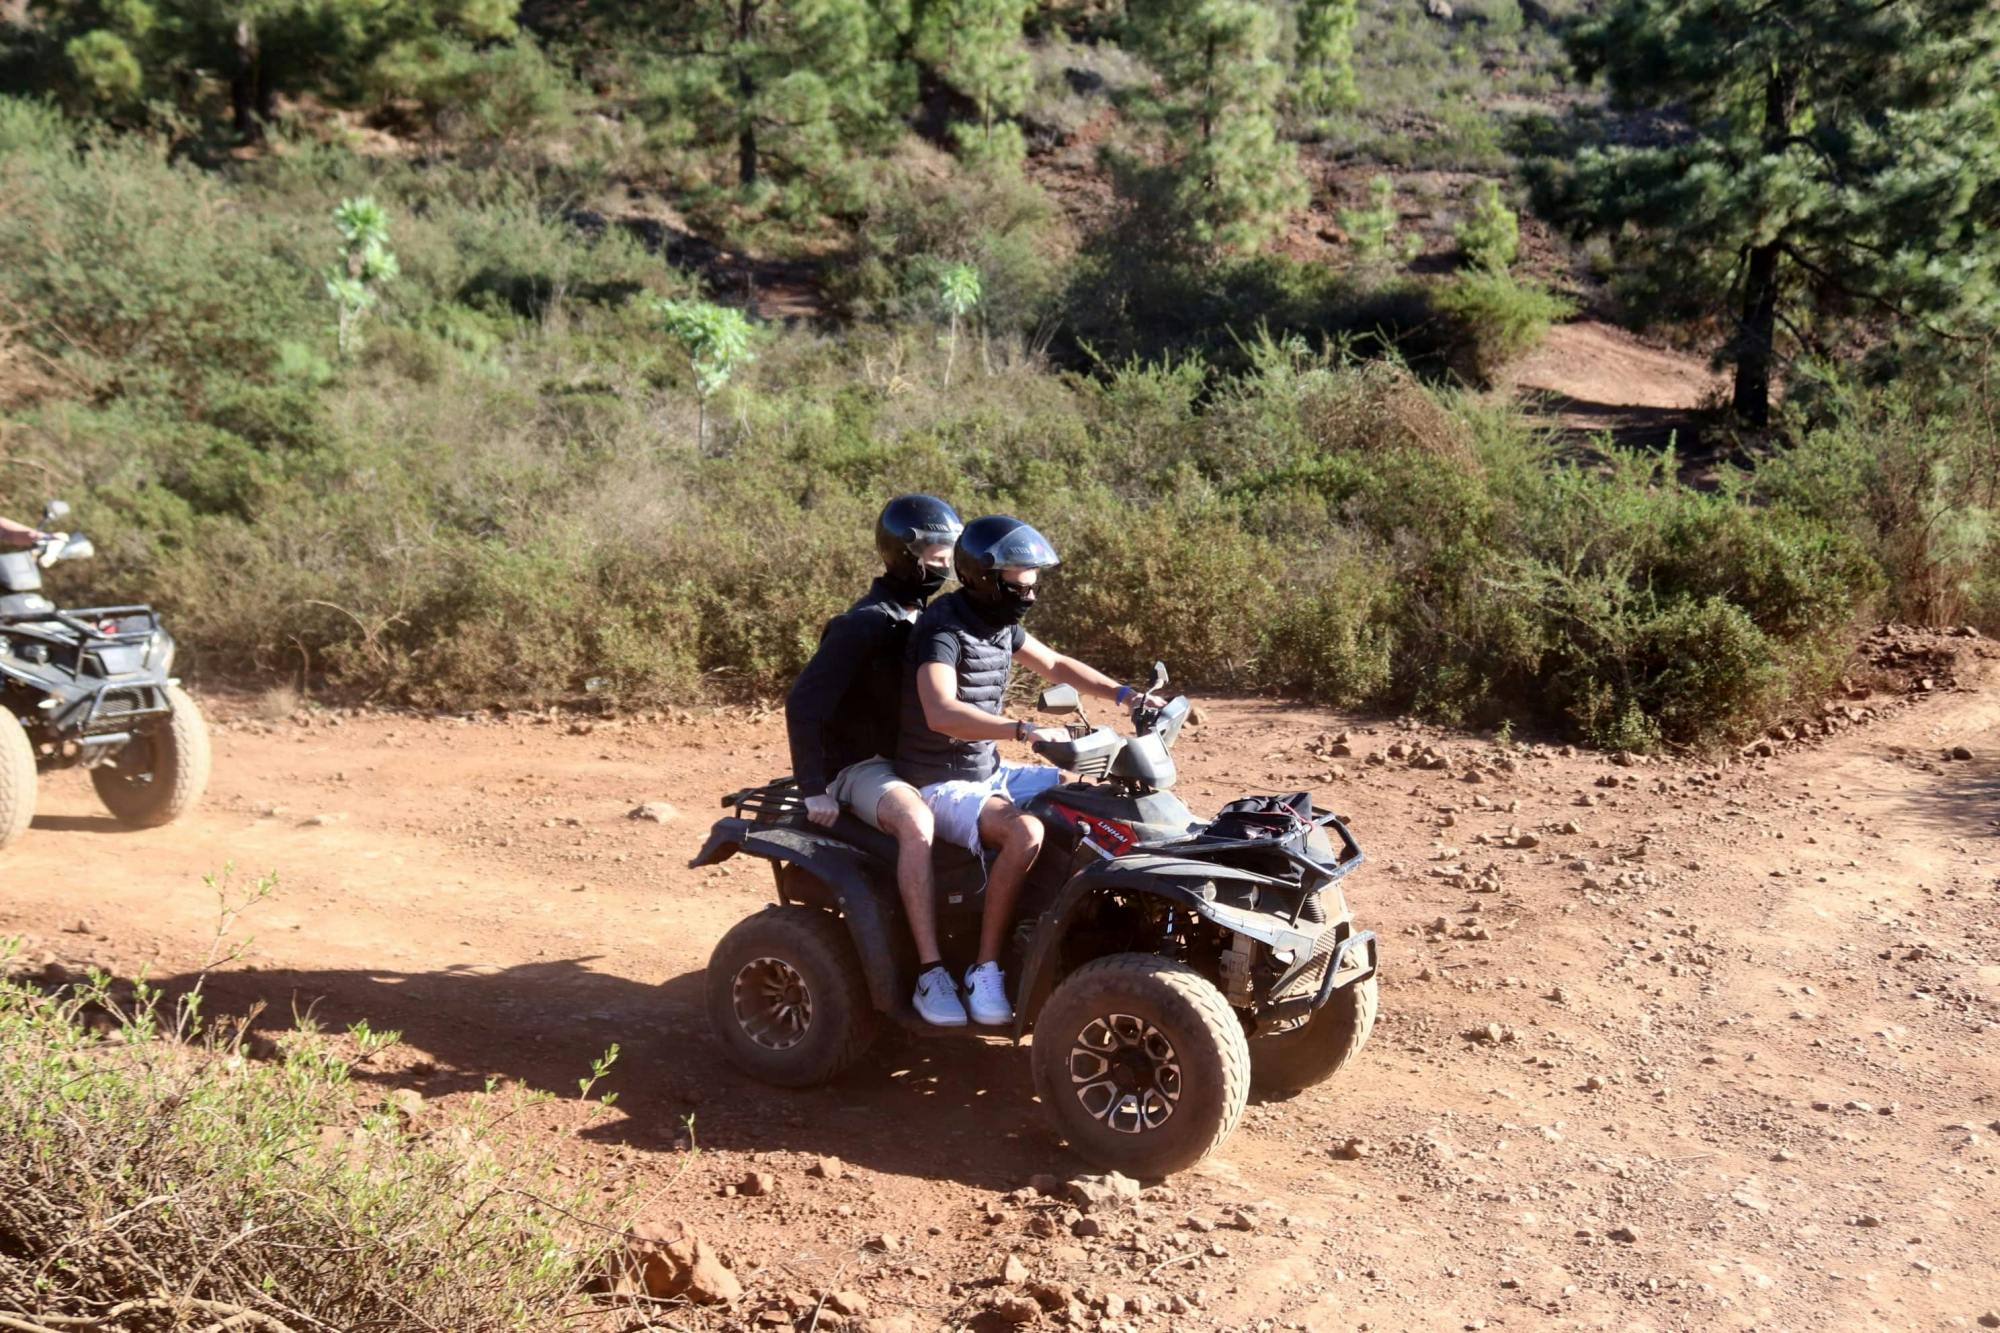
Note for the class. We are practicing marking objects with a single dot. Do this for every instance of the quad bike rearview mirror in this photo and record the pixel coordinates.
(1060, 699)
(1159, 678)
(54, 512)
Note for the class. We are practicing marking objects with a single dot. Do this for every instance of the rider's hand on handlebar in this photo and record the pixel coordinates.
(1152, 703)
(822, 810)
(1037, 735)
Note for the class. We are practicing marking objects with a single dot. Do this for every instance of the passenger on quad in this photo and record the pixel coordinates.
(843, 711)
(960, 655)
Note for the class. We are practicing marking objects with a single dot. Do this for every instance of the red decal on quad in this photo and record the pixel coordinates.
(1109, 834)
(1115, 838)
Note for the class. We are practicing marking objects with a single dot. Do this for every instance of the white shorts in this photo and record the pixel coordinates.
(956, 805)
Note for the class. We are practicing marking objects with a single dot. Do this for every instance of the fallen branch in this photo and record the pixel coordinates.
(232, 1316)
(20, 1325)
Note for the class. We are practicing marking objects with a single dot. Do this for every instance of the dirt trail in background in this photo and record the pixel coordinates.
(1589, 377)
(1719, 1052)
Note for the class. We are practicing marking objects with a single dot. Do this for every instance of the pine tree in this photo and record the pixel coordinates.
(1326, 55)
(976, 47)
(799, 90)
(1840, 158)
(118, 54)
(1236, 180)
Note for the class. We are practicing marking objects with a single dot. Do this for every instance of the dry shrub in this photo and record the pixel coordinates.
(25, 377)
(1378, 407)
(153, 1177)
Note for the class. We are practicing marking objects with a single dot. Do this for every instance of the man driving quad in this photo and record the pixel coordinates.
(843, 711)
(960, 655)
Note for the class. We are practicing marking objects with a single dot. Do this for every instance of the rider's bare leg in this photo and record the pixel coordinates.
(903, 814)
(1017, 837)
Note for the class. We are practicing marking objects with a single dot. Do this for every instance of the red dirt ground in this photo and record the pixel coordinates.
(1748, 1074)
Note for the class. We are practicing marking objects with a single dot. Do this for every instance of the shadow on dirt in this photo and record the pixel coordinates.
(950, 1109)
(1633, 427)
(1964, 802)
(80, 824)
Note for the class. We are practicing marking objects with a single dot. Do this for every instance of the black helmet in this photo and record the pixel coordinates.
(907, 525)
(996, 542)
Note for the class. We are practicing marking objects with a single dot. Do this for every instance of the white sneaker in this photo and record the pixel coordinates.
(937, 999)
(987, 987)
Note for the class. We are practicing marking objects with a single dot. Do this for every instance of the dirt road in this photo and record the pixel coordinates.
(1722, 1049)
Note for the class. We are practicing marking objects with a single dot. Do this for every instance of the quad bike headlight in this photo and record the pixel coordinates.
(160, 652)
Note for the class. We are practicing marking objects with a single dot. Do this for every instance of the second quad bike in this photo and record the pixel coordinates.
(90, 688)
(1163, 965)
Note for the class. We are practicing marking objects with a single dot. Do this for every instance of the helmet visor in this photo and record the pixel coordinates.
(930, 553)
(1024, 548)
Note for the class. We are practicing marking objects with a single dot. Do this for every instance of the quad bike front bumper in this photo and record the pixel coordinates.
(1354, 961)
(85, 683)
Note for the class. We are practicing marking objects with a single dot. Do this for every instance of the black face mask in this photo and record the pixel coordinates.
(1013, 606)
(917, 591)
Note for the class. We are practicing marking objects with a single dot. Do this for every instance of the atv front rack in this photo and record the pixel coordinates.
(88, 621)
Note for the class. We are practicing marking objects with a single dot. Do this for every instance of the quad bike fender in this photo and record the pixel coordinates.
(1188, 884)
(724, 841)
(843, 870)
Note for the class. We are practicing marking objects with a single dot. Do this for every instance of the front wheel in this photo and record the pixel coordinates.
(17, 779)
(161, 772)
(1285, 1064)
(787, 999)
(1142, 1063)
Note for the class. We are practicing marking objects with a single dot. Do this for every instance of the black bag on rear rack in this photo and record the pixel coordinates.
(1281, 817)
(1281, 823)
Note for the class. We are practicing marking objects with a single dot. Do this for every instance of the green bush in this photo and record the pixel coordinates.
(926, 210)
(1912, 473)
(1492, 318)
(1490, 234)
(143, 273)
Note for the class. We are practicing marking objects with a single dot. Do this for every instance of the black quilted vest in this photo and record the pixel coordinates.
(982, 654)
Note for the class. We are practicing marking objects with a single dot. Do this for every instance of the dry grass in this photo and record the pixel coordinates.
(154, 1176)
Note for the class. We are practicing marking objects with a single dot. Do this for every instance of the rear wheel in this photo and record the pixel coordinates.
(161, 773)
(1285, 1064)
(17, 779)
(787, 999)
(1142, 1063)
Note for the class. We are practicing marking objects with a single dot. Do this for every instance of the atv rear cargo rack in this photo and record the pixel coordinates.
(774, 802)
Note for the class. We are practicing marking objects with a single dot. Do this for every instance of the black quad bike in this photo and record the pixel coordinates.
(90, 688)
(1164, 964)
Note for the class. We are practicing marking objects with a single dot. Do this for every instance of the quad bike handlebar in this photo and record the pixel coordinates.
(1141, 760)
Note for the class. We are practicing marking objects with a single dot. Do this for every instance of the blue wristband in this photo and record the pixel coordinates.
(1124, 692)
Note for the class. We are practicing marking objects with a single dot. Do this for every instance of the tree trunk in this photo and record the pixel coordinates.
(746, 91)
(1757, 329)
(1208, 91)
(1756, 332)
(244, 99)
